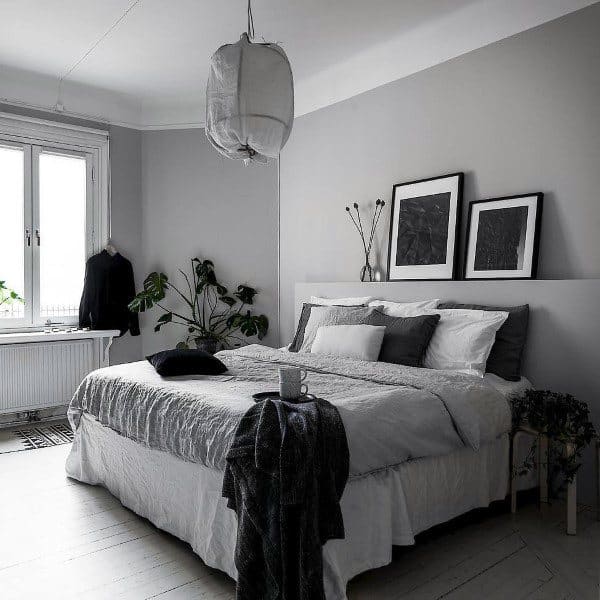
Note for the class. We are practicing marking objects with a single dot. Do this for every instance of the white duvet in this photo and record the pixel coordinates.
(391, 413)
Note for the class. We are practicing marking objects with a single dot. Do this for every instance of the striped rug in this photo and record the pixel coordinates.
(32, 437)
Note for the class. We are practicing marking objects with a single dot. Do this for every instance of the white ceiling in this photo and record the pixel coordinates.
(150, 70)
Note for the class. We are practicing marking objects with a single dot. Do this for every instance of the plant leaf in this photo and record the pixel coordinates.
(249, 324)
(156, 284)
(163, 320)
(262, 325)
(245, 293)
(228, 300)
(155, 287)
(205, 271)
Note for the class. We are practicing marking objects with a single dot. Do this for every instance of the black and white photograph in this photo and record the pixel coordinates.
(503, 237)
(423, 228)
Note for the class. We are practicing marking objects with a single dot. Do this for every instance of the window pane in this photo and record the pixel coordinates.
(62, 230)
(12, 229)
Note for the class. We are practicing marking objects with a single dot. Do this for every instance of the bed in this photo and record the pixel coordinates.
(445, 455)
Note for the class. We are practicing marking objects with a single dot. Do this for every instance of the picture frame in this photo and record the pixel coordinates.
(503, 237)
(424, 228)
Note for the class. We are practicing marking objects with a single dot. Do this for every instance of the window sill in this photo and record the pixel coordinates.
(55, 336)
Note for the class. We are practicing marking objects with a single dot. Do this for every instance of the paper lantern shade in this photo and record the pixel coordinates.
(249, 100)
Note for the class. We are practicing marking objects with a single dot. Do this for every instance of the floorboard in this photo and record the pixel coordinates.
(64, 540)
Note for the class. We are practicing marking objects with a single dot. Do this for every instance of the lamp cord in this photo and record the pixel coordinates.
(70, 70)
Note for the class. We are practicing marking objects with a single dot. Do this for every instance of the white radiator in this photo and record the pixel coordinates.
(45, 374)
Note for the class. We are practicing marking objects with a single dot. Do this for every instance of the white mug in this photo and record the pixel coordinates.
(290, 382)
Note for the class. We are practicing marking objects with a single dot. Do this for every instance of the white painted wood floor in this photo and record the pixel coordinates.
(60, 539)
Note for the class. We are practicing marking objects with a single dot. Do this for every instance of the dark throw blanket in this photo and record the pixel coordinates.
(286, 471)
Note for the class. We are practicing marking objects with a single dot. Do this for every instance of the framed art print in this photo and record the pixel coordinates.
(424, 228)
(503, 237)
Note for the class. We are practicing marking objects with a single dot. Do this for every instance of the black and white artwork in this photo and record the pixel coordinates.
(423, 228)
(503, 237)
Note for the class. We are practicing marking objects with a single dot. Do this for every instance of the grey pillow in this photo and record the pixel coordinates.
(406, 338)
(507, 352)
(302, 321)
(321, 316)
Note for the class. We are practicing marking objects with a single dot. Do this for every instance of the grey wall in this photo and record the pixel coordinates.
(126, 219)
(198, 203)
(125, 165)
(517, 116)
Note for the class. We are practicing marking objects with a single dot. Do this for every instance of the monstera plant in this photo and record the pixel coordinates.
(213, 317)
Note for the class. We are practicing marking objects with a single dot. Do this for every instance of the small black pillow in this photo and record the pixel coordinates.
(406, 338)
(186, 362)
(507, 352)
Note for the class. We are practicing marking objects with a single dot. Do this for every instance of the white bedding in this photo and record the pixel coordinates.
(391, 413)
(379, 511)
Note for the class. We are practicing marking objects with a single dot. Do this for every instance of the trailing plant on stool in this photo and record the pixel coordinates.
(214, 318)
(562, 418)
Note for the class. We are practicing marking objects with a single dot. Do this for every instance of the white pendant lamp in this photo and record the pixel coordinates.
(249, 99)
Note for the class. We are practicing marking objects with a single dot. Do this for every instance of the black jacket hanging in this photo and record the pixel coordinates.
(108, 289)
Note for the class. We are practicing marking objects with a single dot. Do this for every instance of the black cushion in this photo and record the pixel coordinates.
(169, 363)
(406, 338)
(507, 351)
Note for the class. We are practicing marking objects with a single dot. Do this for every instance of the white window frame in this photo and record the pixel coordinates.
(35, 136)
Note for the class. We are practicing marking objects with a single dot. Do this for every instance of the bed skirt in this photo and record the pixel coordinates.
(380, 510)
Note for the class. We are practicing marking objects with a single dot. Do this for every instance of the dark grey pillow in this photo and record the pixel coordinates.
(406, 338)
(507, 351)
(186, 362)
(303, 320)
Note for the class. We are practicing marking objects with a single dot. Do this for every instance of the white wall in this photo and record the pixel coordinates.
(198, 203)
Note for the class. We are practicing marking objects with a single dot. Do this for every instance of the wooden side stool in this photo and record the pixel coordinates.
(542, 462)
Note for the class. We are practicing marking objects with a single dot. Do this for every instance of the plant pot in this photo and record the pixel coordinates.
(206, 344)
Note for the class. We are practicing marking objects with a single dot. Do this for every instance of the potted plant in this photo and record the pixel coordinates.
(562, 418)
(366, 272)
(213, 317)
(7, 297)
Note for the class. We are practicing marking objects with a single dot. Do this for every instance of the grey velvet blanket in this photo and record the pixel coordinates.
(286, 472)
(391, 413)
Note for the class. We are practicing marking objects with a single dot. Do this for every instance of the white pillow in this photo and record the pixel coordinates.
(463, 339)
(404, 309)
(360, 301)
(354, 341)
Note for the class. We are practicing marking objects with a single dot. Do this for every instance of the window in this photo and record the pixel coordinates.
(53, 216)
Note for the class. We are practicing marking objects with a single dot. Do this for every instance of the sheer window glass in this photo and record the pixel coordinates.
(12, 227)
(62, 233)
